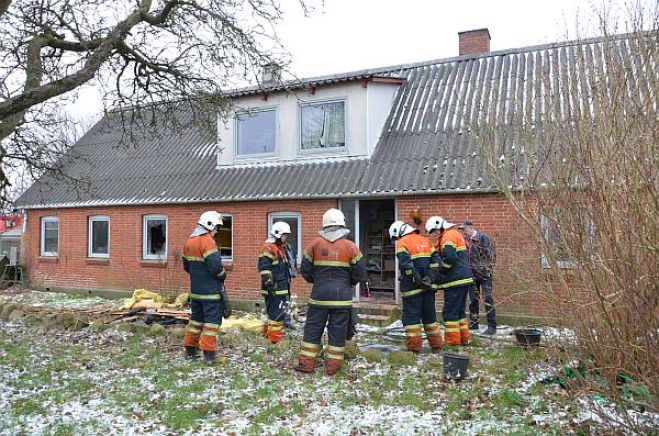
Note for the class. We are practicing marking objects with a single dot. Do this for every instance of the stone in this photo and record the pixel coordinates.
(433, 363)
(66, 320)
(177, 332)
(16, 315)
(126, 327)
(7, 309)
(157, 330)
(33, 319)
(402, 358)
(373, 355)
(351, 349)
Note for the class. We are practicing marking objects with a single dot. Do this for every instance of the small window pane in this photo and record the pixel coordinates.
(224, 237)
(100, 237)
(156, 237)
(323, 125)
(50, 236)
(256, 132)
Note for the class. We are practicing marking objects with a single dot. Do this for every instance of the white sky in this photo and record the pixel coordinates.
(347, 35)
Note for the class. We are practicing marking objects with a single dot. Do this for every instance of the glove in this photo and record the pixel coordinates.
(226, 313)
(268, 284)
(424, 283)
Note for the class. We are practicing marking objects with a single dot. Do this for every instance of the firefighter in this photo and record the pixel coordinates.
(333, 264)
(419, 263)
(208, 301)
(454, 278)
(274, 267)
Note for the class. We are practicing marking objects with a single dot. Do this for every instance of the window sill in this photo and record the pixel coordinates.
(48, 259)
(153, 263)
(97, 261)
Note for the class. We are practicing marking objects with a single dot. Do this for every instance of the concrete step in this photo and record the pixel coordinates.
(376, 309)
(376, 320)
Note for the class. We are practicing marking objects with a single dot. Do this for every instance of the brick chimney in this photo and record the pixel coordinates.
(474, 41)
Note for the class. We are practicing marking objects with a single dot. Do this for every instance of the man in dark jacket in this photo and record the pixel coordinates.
(334, 265)
(482, 257)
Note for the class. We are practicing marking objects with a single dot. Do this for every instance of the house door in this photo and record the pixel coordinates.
(369, 221)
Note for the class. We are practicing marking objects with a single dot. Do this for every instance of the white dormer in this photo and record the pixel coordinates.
(338, 120)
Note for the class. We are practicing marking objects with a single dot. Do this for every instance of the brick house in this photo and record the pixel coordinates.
(375, 143)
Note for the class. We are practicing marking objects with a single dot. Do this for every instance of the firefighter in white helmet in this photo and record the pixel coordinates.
(333, 264)
(455, 279)
(419, 265)
(208, 301)
(275, 266)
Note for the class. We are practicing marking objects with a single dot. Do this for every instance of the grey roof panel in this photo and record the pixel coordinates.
(426, 144)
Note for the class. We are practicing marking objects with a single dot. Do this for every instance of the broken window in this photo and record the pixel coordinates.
(562, 234)
(256, 132)
(99, 236)
(323, 125)
(224, 238)
(49, 236)
(155, 237)
(294, 221)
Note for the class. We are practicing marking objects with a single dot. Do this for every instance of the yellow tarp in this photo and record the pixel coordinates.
(153, 300)
(246, 323)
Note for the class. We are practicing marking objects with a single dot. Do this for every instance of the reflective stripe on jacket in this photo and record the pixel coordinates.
(274, 262)
(454, 263)
(333, 268)
(416, 256)
(202, 260)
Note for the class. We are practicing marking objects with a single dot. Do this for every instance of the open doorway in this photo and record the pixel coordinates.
(369, 221)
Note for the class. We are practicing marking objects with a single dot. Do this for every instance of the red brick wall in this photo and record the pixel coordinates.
(473, 42)
(516, 251)
(126, 270)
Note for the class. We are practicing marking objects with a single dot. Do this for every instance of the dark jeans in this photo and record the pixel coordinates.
(484, 287)
(337, 321)
(419, 308)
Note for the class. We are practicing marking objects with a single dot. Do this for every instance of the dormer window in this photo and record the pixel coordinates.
(323, 125)
(256, 132)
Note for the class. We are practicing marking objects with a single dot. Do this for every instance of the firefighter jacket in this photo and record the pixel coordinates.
(202, 260)
(274, 267)
(334, 268)
(454, 265)
(417, 258)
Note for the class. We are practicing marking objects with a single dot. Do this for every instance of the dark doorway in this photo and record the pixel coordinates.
(375, 217)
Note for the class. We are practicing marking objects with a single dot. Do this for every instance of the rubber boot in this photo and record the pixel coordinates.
(210, 357)
(192, 353)
(465, 333)
(306, 364)
(414, 343)
(332, 366)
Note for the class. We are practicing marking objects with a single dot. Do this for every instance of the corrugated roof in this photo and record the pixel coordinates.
(426, 145)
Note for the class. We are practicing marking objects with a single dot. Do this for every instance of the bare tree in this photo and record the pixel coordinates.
(581, 169)
(160, 55)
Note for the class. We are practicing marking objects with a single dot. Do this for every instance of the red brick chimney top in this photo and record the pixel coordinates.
(474, 41)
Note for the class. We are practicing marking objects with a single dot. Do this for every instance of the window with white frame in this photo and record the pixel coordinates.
(155, 237)
(256, 132)
(99, 236)
(323, 125)
(224, 237)
(294, 220)
(49, 236)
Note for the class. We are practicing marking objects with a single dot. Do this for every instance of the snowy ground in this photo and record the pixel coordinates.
(57, 381)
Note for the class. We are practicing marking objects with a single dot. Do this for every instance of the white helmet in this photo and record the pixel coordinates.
(334, 217)
(399, 229)
(280, 228)
(437, 223)
(209, 220)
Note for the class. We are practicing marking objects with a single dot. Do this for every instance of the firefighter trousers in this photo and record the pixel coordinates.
(456, 327)
(419, 312)
(337, 321)
(277, 308)
(204, 325)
